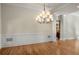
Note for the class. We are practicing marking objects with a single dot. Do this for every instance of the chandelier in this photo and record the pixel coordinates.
(44, 16)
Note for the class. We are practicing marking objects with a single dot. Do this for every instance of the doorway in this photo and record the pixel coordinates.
(58, 29)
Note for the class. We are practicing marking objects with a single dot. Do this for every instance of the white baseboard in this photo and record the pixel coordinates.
(25, 39)
(0, 46)
(67, 37)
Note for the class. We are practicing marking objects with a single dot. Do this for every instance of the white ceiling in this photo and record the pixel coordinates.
(53, 7)
(37, 6)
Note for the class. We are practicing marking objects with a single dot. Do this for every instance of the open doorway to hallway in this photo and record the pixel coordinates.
(58, 29)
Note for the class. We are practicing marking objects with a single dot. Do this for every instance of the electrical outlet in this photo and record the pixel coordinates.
(9, 39)
(49, 36)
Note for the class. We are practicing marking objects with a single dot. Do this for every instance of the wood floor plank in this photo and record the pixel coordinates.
(48, 48)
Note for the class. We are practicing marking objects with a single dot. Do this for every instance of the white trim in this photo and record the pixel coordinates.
(24, 39)
(69, 38)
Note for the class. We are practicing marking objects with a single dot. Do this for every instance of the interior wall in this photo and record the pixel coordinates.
(54, 27)
(76, 15)
(0, 25)
(69, 27)
(19, 25)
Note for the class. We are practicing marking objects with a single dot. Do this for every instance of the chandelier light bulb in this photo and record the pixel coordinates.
(47, 20)
(47, 13)
(52, 19)
(39, 20)
(36, 19)
(44, 16)
(50, 16)
(40, 15)
(43, 12)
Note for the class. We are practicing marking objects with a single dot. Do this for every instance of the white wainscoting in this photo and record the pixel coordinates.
(24, 39)
(0, 43)
(0, 40)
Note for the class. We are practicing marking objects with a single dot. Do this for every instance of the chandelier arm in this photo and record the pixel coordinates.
(44, 6)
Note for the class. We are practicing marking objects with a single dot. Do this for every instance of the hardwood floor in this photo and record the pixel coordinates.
(67, 47)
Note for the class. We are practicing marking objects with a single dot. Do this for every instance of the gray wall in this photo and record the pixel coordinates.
(19, 24)
(0, 25)
(70, 26)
